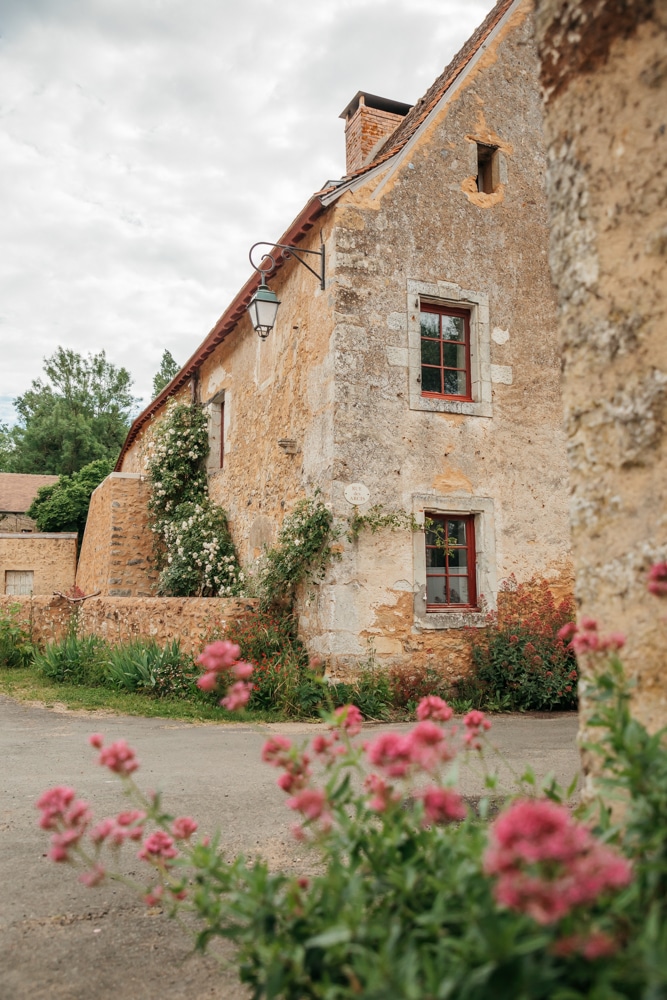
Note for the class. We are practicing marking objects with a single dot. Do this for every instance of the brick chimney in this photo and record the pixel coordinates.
(368, 120)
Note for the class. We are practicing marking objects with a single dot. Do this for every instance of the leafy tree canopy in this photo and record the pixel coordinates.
(63, 506)
(165, 373)
(78, 413)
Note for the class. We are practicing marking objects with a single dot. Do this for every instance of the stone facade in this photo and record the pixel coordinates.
(339, 376)
(46, 562)
(117, 551)
(604, 73)
(118, 619)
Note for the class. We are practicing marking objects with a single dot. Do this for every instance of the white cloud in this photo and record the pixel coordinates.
(144, 146)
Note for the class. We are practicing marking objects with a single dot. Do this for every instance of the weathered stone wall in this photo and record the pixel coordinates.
(117, 551)
(50, 557)
(16, 523)
(604, 73)
(117, 619)
(422, 230)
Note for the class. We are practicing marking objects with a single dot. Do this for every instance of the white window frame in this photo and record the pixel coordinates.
(444, 294)
(424, 504)
(24, 578)
(215, 409)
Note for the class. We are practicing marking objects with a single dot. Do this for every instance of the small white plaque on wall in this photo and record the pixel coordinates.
(357, 494)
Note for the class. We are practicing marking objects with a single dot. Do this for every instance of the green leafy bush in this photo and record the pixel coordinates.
(64, 505)
(145, 666)
(519, 661)
(73, 660)
(16, 648)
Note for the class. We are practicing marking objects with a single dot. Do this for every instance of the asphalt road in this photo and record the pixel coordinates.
(62, 941)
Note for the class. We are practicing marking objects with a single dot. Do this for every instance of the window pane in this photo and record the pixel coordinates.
(435, 590)
(456, 531)
(458, 590)
(457, 559)
(453, 328)
(431, 381)
(430, 324)
(435, 557)
(455, 383)
(431, 353)
(454, 355)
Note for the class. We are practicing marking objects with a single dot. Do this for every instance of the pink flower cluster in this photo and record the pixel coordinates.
(597, 944)
(585, 638)
(118, 756)
(657, 579)
(475, 723)
(547, 864)
(158, 848)
(279, 752)
(67, 816)
(125, 826)
(222, 659)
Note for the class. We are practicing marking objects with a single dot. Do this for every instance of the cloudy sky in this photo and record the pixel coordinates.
(146, 144)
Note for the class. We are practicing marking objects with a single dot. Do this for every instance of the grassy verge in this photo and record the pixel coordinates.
(27, 685)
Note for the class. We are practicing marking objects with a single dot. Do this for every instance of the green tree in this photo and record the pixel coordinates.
(165, 373)
(6, 448)
(78, 413)
(63, 506)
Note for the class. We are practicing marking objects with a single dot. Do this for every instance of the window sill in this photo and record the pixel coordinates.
(450, 619)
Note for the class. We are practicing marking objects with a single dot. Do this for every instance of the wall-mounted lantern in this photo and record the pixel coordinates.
(263, 306)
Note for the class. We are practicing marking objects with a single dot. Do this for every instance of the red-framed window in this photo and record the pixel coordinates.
(445, 352)
(450, 562)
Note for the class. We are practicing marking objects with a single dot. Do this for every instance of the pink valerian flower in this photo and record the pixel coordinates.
(310, 802)
(391, 752)
(208, 681)
(238, 696)
(96, 740)
(95, 876)
(158, 848)
(219, 656)
(657, 579)
(435, 708)
(475, 722)
(382, 794)
(154, 896)
(428, 746)
(441, 805)
(349, 718)
(547, 864)
(183, 827)
(242, 670)
(276, 751)
(53, 803)
(585, 638)
(597, 944)
(118, 757)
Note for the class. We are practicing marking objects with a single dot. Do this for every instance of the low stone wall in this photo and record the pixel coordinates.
(50, 557)
(118, 619)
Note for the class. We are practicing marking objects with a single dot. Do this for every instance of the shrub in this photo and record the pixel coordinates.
(15, 645)
(73, 660)
(519, 659)
(409, 684)
(143, 665)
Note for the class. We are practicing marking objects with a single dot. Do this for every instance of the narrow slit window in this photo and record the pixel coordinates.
(487, 168)
(222, 434)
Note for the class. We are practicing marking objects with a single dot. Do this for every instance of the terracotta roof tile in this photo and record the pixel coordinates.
(18, 490)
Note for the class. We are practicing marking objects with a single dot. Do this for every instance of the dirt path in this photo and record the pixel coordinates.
(61, 941)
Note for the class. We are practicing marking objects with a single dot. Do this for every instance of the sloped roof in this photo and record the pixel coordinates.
(18, 490)
(315, 207)
(422, 109)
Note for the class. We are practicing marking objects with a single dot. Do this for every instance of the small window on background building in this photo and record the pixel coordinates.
(445, 352)
(450, 562)
(19, 583)
(487, 168)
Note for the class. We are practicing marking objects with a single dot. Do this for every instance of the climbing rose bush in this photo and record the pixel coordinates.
(417, 894)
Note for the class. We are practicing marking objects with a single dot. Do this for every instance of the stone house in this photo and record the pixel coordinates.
(17, 492)
(424, 375)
